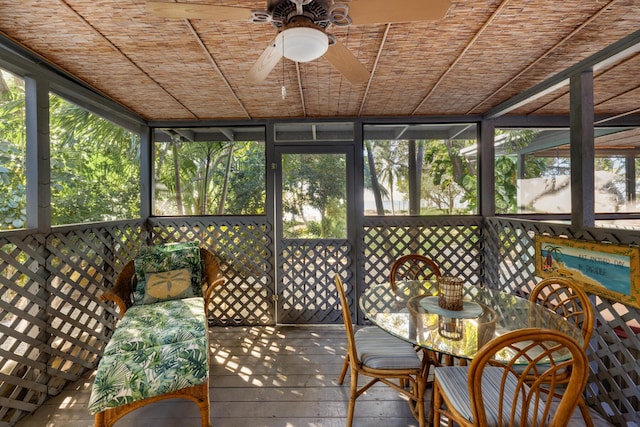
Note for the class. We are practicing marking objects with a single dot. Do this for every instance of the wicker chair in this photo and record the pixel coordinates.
(491, 393)
(565, 298)
(413, 267)
(417, 267)
(381, 357)
(122, 292)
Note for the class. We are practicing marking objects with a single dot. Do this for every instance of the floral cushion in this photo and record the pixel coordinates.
(161, 258)
(156, 349)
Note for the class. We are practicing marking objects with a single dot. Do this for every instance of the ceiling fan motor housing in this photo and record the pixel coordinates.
(286, 11)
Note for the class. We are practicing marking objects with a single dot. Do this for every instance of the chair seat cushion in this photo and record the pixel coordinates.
(454, 382)
(379, 350)
(156, 349)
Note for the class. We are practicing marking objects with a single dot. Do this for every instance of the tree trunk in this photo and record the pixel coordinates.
(375, 185)
(456, 163)
(416, 156)
(204, 199)
(225, 185)
(176, 172)
(419, 166)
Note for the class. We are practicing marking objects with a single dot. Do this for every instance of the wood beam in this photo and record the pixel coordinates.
(38, 154)
(486, 172)
(582, 151)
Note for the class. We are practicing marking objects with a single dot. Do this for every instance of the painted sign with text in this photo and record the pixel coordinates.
(601, 268)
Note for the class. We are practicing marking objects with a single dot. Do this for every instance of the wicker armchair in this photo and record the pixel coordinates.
(413, 267)
(489, 393)
(380, 357)
(566, 298)
(122, 292)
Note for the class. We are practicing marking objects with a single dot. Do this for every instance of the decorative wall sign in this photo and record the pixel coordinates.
(612, 271)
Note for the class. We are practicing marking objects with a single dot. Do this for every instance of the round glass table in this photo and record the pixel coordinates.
(410, 311)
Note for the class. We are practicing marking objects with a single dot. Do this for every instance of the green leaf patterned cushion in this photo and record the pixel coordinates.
(156, 349)
(168, 285)
(168, 257)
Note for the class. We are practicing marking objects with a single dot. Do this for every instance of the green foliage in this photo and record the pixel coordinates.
(13, 212)
(445, 179)
(12, 186)
(506, 188)
(247, 183)
(316, 181)
(94, 163)
(94, 167)
(209, 178)
(470, 195)
(95, 173)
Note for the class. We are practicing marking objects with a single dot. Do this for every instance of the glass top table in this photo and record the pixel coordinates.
(410, 311)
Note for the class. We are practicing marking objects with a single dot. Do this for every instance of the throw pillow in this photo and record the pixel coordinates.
(168, 285)
(168, 257)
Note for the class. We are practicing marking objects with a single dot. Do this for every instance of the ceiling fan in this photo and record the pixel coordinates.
(302, 27)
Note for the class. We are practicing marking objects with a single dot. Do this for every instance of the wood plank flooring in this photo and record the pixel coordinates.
(284, 376)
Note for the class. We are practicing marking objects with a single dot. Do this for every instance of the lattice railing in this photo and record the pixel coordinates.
(454, 244)
(307, 293)
(23, 327)
(244, 248)
(614, 381)
(53, 327)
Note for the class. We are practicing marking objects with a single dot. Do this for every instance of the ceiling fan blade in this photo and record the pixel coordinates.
(265, 63)
(385, 11)
(199, 11)
(345, 62)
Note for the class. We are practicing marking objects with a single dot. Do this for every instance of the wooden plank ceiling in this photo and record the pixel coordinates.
(479, 55)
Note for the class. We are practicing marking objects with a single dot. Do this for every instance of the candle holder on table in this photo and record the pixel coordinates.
(450, 293)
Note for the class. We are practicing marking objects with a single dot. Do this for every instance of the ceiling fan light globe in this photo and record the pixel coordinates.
(302, 44)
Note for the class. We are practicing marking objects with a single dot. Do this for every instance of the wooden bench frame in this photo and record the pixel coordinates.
(199, 394)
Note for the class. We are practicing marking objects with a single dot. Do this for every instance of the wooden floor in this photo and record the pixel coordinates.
(283, 376)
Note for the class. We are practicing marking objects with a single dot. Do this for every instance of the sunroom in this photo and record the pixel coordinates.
(461, 130)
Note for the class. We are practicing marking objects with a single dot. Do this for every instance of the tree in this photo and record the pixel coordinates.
(392, 168)
(416, 158)
(13, 212)
(449, 174)
(315, 181)
(225, 184)
(176, 174)
(94, 163)
(506, 168)
(210, 180)
(94, 166)
(374, 184)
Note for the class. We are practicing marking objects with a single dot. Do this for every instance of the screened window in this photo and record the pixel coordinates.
(420, 169)
(533, 171)
(94, 167)
(12, 152)
(209, 171)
